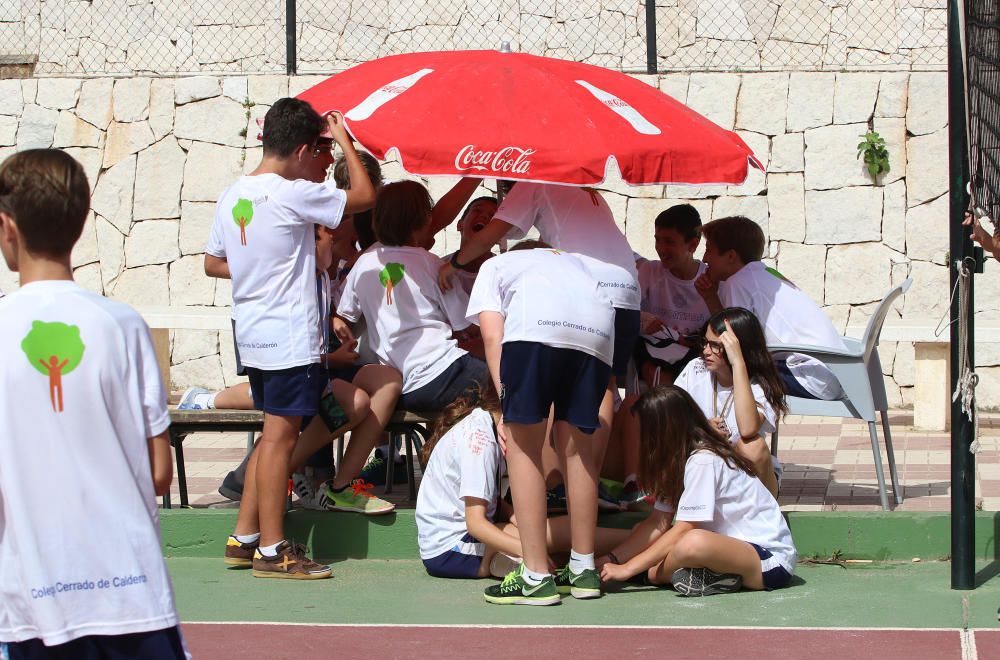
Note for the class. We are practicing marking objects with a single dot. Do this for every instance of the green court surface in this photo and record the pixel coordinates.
(877, 595)
(378, 579)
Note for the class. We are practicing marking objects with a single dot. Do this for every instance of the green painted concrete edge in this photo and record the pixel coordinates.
(883, 536)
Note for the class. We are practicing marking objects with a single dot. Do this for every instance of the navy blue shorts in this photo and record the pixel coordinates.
(627, 326)
(534, 377)
(775, 575)
(455, 564)
(792, 386)
(293, 392)
(166, 644)
(466, 373)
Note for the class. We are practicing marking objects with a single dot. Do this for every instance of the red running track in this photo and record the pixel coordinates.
(275, 641)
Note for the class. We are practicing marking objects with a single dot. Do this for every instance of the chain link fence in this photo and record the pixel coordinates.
(167, 37)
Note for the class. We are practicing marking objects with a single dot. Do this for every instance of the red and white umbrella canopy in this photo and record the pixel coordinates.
(515, 116)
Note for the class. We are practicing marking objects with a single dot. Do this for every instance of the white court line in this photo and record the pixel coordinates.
(562, 626)
(969, 645)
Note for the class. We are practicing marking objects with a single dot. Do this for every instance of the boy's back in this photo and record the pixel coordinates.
(80, 394)
(789, 316)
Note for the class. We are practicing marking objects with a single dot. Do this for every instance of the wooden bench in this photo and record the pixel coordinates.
(408, 427)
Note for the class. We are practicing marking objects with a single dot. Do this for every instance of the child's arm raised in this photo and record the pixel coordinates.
(480, 243)
(160, 464)
(749, 418)
(480, 527)
(361, 195)
(450, 205)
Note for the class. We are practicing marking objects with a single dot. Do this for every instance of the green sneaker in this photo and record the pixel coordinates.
(354, 498)
(515, 591)
(583, 586)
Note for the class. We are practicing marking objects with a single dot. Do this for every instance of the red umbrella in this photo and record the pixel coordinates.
(488, 113)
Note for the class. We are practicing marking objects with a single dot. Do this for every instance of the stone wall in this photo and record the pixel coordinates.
(158, 152)
(117, 37)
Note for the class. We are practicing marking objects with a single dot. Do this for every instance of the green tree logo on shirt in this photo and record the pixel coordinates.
(54, 349)
(390, 277)
(242, 216)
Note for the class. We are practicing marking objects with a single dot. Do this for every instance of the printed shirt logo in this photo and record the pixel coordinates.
(512, 160)
(54, 350)
(390, 276)
(243, 216)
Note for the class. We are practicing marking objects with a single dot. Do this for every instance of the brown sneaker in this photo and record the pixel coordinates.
(289, 562)
(240, 554)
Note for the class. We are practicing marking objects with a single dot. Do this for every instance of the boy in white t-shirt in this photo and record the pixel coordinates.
(548, 330)
(264, 230)
(409, 319)
(737, 278)
(81, 406)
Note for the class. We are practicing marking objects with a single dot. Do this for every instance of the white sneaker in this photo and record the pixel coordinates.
(308, 497)
(196, 398)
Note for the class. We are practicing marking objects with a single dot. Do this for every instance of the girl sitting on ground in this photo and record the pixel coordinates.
(737, 387)
(728, 532)
(459, 510)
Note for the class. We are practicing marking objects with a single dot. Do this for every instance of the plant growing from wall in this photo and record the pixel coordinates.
(876, 156)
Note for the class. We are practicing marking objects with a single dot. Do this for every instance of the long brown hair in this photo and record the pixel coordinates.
(753, 345)
(671, 428)
(485, 397)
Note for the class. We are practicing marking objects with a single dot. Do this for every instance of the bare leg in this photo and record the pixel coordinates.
(557, 539)
(700, 548)
(264, 495)
(629, 435)
(236, 397)
(606, 414)
(578, 453)
(527, 485)
(551, 465)
(316, 435)
(383, 385)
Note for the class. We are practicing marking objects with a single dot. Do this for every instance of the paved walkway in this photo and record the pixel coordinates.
(828, 465)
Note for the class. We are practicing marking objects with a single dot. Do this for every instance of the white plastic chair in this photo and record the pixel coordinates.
(860, 373)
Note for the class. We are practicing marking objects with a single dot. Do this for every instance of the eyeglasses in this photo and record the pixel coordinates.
(320, 149)
(715, 347)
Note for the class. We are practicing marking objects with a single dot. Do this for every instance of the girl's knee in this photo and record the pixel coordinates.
(689, 547)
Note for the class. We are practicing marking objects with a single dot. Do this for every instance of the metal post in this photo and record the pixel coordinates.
(650, 36)
(963, 469)
(291, 57)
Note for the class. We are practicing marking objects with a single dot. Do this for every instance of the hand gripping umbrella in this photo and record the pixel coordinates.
(516, 116)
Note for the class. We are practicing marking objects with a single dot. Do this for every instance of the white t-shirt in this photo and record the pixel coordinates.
(674, 301)
(576, 220)
(730, 502)
(272, 260)
(465, 463)
(464, 278)
(409, 319)
(789, 316)
(548, 297)
(90, 563)
(714, 399)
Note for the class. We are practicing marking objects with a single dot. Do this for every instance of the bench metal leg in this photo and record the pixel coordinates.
(178, 442)
(390, 468)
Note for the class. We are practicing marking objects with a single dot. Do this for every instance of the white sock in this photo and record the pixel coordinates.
(631, 478)
(211, 400)
(532, 577)
(246, 538)
(203, 400)
(269, 550)
(579, 563)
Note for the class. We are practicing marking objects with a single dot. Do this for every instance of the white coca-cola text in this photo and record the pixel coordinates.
(511, 160)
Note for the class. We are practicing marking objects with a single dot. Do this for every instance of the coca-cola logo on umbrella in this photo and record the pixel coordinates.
(508, 160)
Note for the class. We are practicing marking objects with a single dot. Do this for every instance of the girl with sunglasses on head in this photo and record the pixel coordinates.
(736, 385)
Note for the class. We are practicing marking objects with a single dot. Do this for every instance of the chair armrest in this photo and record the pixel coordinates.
(853, 350)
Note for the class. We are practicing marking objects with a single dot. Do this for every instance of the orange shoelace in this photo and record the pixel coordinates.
(361, 487)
